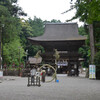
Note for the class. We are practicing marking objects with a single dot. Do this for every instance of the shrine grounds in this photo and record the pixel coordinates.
(68, 88)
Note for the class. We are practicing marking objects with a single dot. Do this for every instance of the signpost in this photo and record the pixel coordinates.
(92, 71)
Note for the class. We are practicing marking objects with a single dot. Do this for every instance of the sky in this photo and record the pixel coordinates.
(48, 9)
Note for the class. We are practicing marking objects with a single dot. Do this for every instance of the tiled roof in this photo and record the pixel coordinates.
(60, 32)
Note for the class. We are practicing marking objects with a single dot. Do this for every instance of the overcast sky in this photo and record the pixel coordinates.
(47, 9)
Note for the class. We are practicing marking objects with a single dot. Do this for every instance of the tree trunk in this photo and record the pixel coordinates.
(92, 48)
(0, 48)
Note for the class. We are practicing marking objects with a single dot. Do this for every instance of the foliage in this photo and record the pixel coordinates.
(26, 31)
(31, 28)
(9, 12)
(37, 26)
(55, 21)
(87, 11)
(12, 7)
(13, 52)
(85, 51)
(81, 30)
(33, 49)
(52, 21)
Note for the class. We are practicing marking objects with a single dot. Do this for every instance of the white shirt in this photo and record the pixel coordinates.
(33, 72)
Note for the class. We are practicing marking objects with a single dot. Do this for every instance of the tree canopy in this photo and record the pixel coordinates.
(9, 23)
(86, 10)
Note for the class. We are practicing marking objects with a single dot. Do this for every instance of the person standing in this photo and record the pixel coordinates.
(33, 73)
(43, 75)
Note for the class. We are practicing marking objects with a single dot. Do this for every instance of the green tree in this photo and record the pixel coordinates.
(86, 11)
(26, 31)
(9, 13)
(52, 21)
(85, 51)
(37, 26)
(81, 30)
(55, 21)
(13, 52)
(13, 7)
(31, 28)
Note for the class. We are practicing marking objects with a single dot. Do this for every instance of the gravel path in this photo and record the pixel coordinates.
(68, 88)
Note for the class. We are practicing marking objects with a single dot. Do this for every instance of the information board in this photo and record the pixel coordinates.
(92, 71)
(1, 76)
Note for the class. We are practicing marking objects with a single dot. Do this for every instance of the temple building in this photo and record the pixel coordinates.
(65, 38)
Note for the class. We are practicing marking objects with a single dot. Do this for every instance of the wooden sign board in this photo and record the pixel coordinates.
(35, 60)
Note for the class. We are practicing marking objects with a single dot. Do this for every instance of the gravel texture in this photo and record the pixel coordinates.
(68, 88)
